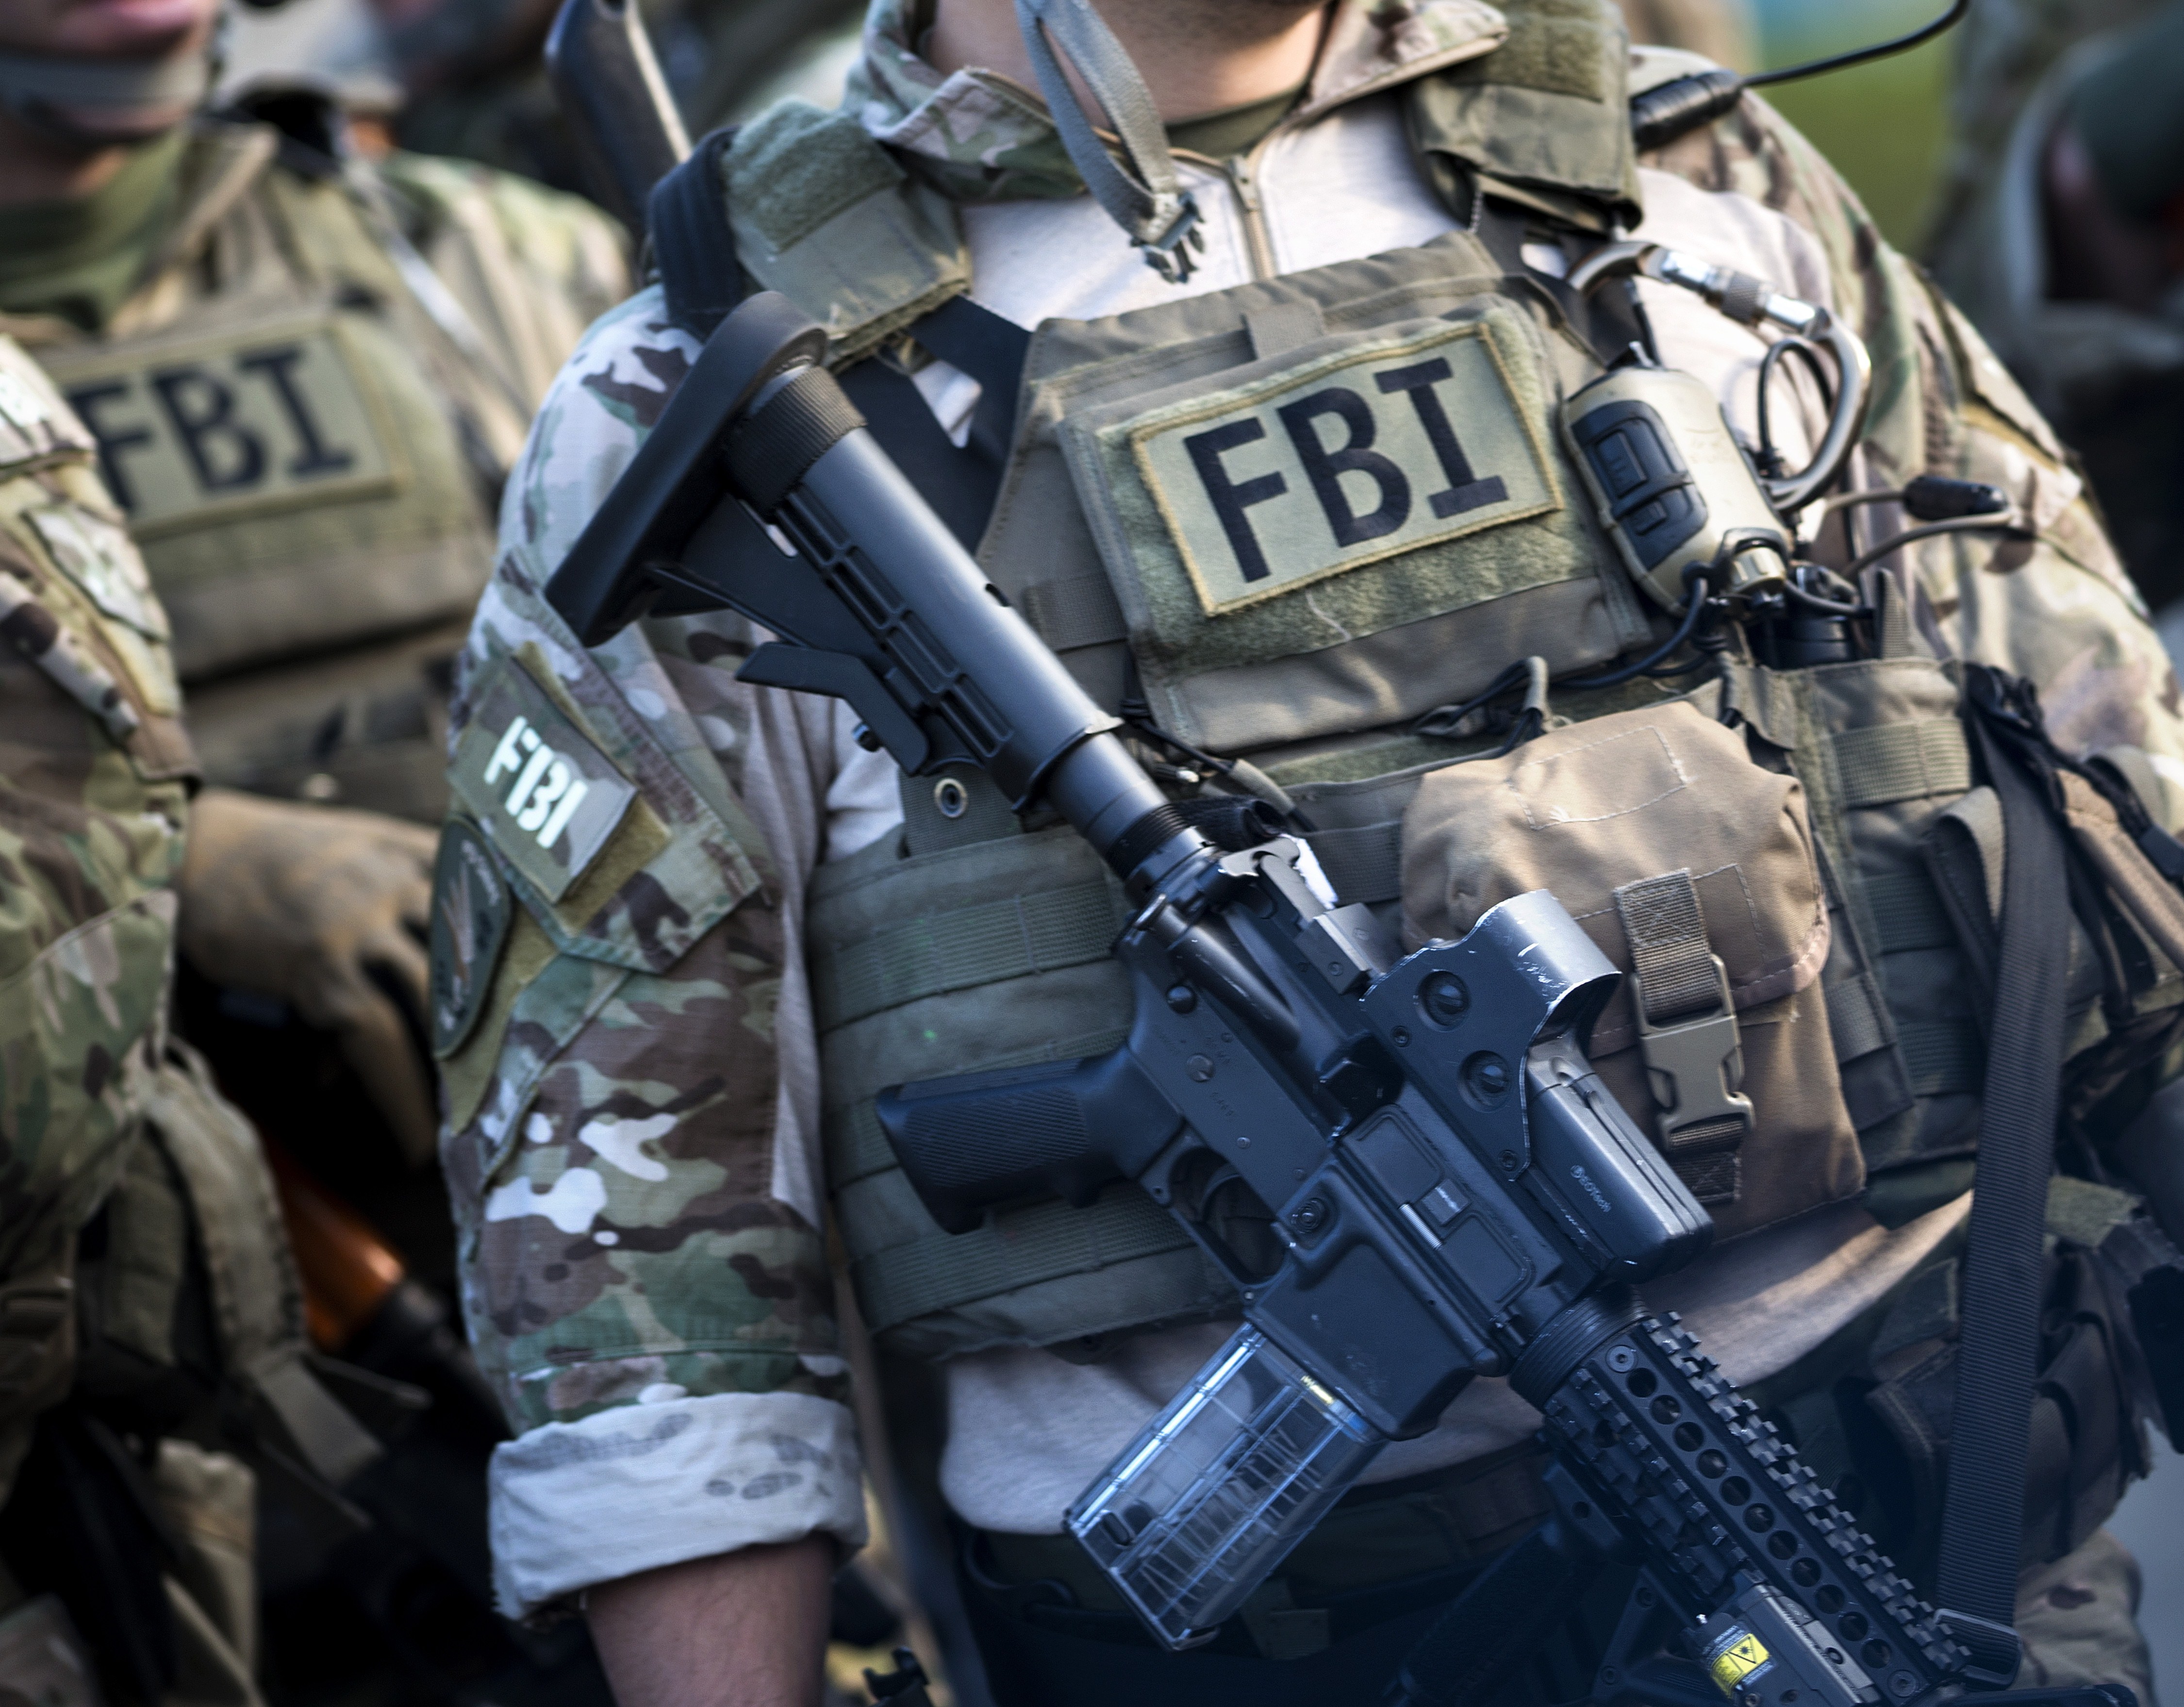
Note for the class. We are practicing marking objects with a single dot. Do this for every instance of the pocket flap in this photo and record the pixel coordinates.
(1589, 810)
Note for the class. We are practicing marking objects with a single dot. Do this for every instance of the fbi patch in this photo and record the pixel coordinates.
(540, 787)
(1359, 455)
(471, 911)
(211, 426)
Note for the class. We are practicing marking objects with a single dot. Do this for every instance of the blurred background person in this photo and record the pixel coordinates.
(2069, 251)
(305, 374)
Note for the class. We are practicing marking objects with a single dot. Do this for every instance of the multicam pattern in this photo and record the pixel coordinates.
(631, 1152)
(92, 808)
(2058, 609)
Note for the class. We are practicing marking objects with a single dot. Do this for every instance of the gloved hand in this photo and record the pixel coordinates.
(327, 909)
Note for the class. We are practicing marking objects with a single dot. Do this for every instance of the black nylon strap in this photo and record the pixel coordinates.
(961, 484)
(691, 242)
(1983, 1511)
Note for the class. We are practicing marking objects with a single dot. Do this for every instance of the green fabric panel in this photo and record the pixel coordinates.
(1543, 118)
(1943, 1057)
(822, 213)
(1903, 762)
(1080, 611)
(1909, 913)
(967, 946)
(1556, 45)
(1046, 1241)
(796, 166)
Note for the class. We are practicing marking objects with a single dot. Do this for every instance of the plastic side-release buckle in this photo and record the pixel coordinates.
(1697, 1067)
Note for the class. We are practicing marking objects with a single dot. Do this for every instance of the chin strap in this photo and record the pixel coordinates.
(1140, 193)
(86, 100)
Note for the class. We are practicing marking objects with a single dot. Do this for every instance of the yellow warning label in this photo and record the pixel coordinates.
(1735, 1663)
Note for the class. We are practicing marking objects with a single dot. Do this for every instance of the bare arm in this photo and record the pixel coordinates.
(745, 1629)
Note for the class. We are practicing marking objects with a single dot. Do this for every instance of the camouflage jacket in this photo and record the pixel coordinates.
(94, 778)
(630, 1067)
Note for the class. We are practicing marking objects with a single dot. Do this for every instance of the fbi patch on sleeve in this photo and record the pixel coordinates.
(540, 787)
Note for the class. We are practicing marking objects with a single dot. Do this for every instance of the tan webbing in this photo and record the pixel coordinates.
(1903, 762)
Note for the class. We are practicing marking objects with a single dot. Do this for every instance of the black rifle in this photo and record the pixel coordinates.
(621, 117)
(1451, 1190)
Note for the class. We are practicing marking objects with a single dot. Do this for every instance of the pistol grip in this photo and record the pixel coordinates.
(1063, 1127)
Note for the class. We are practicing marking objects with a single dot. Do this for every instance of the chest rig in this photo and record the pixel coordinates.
(1298, 531)
(308, 460)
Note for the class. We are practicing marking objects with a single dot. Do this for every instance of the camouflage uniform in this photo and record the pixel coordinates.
(1720, 30)
(101, 1118)
(631, 1074)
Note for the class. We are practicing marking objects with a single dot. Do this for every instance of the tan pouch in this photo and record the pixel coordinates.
(1693, 869)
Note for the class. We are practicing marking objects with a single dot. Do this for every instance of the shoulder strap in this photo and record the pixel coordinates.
(694, 248)
(1983, 1510)
(691, 242)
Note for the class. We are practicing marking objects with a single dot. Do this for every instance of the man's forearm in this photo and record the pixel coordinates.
(744, 1629)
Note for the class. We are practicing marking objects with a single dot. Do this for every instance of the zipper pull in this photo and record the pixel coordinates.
(1247, 187)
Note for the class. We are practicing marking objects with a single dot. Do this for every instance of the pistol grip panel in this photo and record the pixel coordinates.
(1062, 1127)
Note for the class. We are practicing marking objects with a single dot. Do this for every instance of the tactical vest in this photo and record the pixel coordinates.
(309, 458)
(1286, 519)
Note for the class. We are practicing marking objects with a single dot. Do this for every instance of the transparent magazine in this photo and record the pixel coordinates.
(1211, 1496)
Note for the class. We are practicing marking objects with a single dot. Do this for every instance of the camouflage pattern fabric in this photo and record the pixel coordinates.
(631, 1130)
(1721, 30)
(94, 772)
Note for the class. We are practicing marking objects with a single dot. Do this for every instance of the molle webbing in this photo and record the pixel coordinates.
(985, 954)
(1903, 762)
(964, 948)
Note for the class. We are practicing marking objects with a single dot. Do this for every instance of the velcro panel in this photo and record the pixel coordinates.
(961, 948)
(1903, 762)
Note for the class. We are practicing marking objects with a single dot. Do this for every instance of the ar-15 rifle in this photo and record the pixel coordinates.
(1452, 1190)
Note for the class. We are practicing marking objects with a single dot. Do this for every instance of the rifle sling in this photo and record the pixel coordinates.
(1983, 1510)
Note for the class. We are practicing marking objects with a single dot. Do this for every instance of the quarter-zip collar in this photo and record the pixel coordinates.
(976, 136)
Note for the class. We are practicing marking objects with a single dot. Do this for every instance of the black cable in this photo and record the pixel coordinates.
(1955, 524)
(1859, 56)
(1695, 606)
(1769, 458)
(1812, 601)
(1681, 105)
